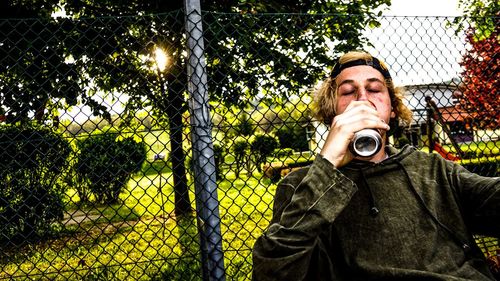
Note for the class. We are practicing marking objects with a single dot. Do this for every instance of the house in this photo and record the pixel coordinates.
(455, 120)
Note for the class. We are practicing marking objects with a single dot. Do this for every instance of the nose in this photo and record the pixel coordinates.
(362, 95)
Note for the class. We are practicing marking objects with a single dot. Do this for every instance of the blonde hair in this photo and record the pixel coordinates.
(325, 96)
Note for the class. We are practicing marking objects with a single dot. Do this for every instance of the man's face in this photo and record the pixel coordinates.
(363, 83)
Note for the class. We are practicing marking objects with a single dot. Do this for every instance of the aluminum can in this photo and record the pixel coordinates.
(366, 143)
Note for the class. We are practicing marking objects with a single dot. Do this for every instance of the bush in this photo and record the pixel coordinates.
(485, 166)
(32, 163)
(106, 162)
(276, 170)
(293, 136)
(240, 149)
(261, 147)
(219, 160)
(283, 152)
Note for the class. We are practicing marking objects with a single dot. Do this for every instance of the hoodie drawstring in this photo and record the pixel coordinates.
(373, 207)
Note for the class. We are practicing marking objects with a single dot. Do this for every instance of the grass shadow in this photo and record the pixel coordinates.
(187, 265)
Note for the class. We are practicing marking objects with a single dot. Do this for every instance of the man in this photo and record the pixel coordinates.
(396, 215)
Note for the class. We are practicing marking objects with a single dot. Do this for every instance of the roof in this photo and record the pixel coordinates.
(452, 114)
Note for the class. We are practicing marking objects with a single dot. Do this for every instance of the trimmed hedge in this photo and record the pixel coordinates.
(105, 164)
(485, 166)
(32, 163)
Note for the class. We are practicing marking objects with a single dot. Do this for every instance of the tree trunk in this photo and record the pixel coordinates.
(174, 113)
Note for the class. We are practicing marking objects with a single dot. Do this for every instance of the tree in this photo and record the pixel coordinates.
(278, 55)
(244, 126)
(33, 71)
(240, 149)
(275, 56)
(480, 80)
(479, 91)
(483, 14)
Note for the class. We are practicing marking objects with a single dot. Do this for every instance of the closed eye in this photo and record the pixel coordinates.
(375, 89)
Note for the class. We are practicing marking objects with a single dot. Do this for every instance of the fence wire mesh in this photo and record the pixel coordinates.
(96, 170)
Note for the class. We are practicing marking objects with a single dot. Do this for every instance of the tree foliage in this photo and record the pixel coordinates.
(93, 50)
(105, 47)
(273, 56)
(480, 79)
(479, 88)
(484, 15)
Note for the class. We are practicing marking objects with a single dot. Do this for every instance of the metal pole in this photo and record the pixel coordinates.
(430, 128)
(207, 204)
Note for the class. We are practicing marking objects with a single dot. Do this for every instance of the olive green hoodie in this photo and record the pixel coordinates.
(409, 217)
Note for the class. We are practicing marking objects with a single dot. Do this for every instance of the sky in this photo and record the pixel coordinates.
(424, 8)
(421, 49)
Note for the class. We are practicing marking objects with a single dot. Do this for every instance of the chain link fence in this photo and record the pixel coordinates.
(97, 178)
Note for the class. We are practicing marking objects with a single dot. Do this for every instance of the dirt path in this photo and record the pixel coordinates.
(79, 216)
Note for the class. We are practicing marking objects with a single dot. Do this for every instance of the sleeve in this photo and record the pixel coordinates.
(291, 248)
(480, 198)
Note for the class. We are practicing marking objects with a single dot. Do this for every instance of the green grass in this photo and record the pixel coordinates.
(481, 149)
(140, 239)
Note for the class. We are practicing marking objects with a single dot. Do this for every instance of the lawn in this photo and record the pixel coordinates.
(142, 240)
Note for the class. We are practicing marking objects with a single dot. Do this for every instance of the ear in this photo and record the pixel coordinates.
(393, 114)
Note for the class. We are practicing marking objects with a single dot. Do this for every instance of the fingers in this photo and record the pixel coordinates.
(357, 116)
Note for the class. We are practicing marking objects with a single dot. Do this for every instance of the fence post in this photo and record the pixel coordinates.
(207, 204)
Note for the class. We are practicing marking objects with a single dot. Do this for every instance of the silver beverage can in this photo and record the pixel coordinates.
(366, 143)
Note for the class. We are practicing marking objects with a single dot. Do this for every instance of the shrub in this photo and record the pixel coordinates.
(283, 152)
(276, 170)
(240, 149)
(106, 162)
(219, 160)
(294, 136)
(485, 166)
(402, 141)
(32, 163)
(261, 147)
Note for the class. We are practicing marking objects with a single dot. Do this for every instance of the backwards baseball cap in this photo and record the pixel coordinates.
(373, 62)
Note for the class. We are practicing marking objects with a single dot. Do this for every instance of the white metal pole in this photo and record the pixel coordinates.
(207, 204)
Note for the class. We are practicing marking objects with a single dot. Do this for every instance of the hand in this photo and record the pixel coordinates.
(357, 116)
